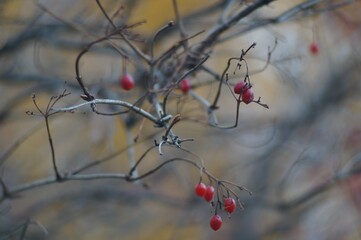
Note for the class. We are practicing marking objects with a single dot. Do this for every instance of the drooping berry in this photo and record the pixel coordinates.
(127, 82)
(216, 222)
(200, 189)
(314, 48)
(240, 87)
(229, 205)
(247, 96)
(185, 86)
(208, 195)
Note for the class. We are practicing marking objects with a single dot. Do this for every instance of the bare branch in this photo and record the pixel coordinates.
(117, 103)
(214, 33)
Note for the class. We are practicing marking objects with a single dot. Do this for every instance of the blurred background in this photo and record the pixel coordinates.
(301, 158)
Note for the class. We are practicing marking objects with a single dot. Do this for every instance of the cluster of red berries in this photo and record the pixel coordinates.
(127, 82)
(245, 90)
(207, 192)
(204, 191)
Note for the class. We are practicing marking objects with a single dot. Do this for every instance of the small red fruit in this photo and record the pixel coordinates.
(216, 222)
(240, 87)
(185, 86)
(200, 189)
(208, 195)
(314, 48)
(247, 96)
(229, 205)
(127, 82)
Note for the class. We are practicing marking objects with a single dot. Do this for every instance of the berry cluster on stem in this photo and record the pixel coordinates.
(245, 90)
(227, 203)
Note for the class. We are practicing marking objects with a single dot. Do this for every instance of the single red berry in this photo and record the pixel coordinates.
(185, 86)
(314, 48)
(229, 205)
(247, 96)
(216, 222)
(208, 195)
(240, 87)
(127, 82)
(200, 189)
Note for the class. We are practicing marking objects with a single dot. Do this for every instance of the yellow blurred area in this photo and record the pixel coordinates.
(158, 12)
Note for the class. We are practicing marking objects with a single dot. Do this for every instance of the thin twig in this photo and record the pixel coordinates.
(180, 79)
(179, 21)
(125, 38)
(56, 171)
(240, 59)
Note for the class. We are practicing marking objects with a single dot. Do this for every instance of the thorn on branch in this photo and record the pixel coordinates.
(261, 104)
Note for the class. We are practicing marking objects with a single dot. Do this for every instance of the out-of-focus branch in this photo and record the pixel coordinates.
(18, 142)
(319, 103)
(215, 32)
(93, 176)
(318, 190)
(51, 180)
(299, 11)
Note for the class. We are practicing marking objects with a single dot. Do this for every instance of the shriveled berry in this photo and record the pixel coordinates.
(127, 82)
(247, 96)
(229, 205)
(314, 48)
(216, 222)
(200, 189)
(208, 195)
(240, 87)
(185, 85)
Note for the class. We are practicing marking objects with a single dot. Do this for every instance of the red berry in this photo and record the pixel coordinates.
(216, 222)
(208, 195)
(247, 96)
(185, 86)
(240, 87)
(127, 82)
(200, 189)
(229, 205)
(314, 48)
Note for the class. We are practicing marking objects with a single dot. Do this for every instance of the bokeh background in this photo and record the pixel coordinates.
(300, 158)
